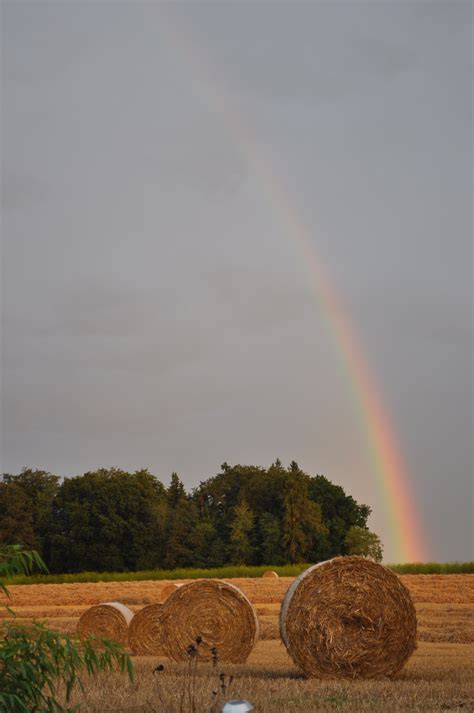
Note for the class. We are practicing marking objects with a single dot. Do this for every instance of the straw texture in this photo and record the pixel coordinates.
(348, 617)
(216, 612)
(168, 589)
(109, 621)
(145, 632)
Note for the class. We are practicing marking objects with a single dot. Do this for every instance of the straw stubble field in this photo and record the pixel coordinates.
(439, 676)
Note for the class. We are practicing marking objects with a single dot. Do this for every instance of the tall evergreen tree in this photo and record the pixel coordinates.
(208, 548)
(302, 519)
(240, 543)
(175, 492)
(182, 519)
(271, 539)
(294, 536)
(179, 544)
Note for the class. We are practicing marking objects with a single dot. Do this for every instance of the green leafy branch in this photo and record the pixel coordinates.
(34, 661)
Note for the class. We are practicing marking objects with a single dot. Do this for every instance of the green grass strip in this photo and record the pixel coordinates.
(434, 568)
(230, 572)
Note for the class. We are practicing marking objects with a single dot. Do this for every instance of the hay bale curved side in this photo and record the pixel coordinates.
(270, 574)
(109, 620)
(348, 617)
(289, 595)
(145, 632)
(168, 589)
(217, 612)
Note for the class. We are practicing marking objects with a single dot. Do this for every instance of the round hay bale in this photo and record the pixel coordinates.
(215, 613)
(109, 621)
(348, 617)
(168, 589)
(270, 574)
(145, 631)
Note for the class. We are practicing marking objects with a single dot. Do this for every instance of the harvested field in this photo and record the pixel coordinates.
(437, 677)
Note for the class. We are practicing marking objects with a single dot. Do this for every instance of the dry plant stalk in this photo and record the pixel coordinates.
(270, 574)
(348, 617)
(216, 613)
(145, 632)
(109, 621)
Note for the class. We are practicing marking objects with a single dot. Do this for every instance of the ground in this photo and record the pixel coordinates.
(438, 677)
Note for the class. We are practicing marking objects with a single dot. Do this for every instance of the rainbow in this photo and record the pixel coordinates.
(392, 478)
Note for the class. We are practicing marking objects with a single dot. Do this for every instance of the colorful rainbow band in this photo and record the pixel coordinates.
(393, 481)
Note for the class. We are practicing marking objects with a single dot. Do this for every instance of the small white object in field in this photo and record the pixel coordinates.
(237, 707)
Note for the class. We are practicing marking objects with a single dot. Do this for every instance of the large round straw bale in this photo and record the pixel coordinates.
(109, 621)
(145, 631)
(214, 613)
(270, 574)
(348, 617)
(168, 589)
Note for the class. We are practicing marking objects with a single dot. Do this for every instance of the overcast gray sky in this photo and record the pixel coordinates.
(157, 312)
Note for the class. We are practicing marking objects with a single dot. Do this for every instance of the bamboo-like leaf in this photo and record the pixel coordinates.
(34, 659)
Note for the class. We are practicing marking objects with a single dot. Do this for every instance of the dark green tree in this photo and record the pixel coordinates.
(39, 489)
(302, 518)
(340, 512)
(181, 524)
(16, 516)
(113, 520)
(179, 544)
(175, 492)
(108, 520)
(271, 539)
(360, 541)
(207, 547)
(240, 534)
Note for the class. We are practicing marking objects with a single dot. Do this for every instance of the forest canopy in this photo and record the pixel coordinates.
(113, 520)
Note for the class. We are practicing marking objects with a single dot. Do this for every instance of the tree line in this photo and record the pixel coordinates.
(113, 520)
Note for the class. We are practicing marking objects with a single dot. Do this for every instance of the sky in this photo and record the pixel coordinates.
(157, 308)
